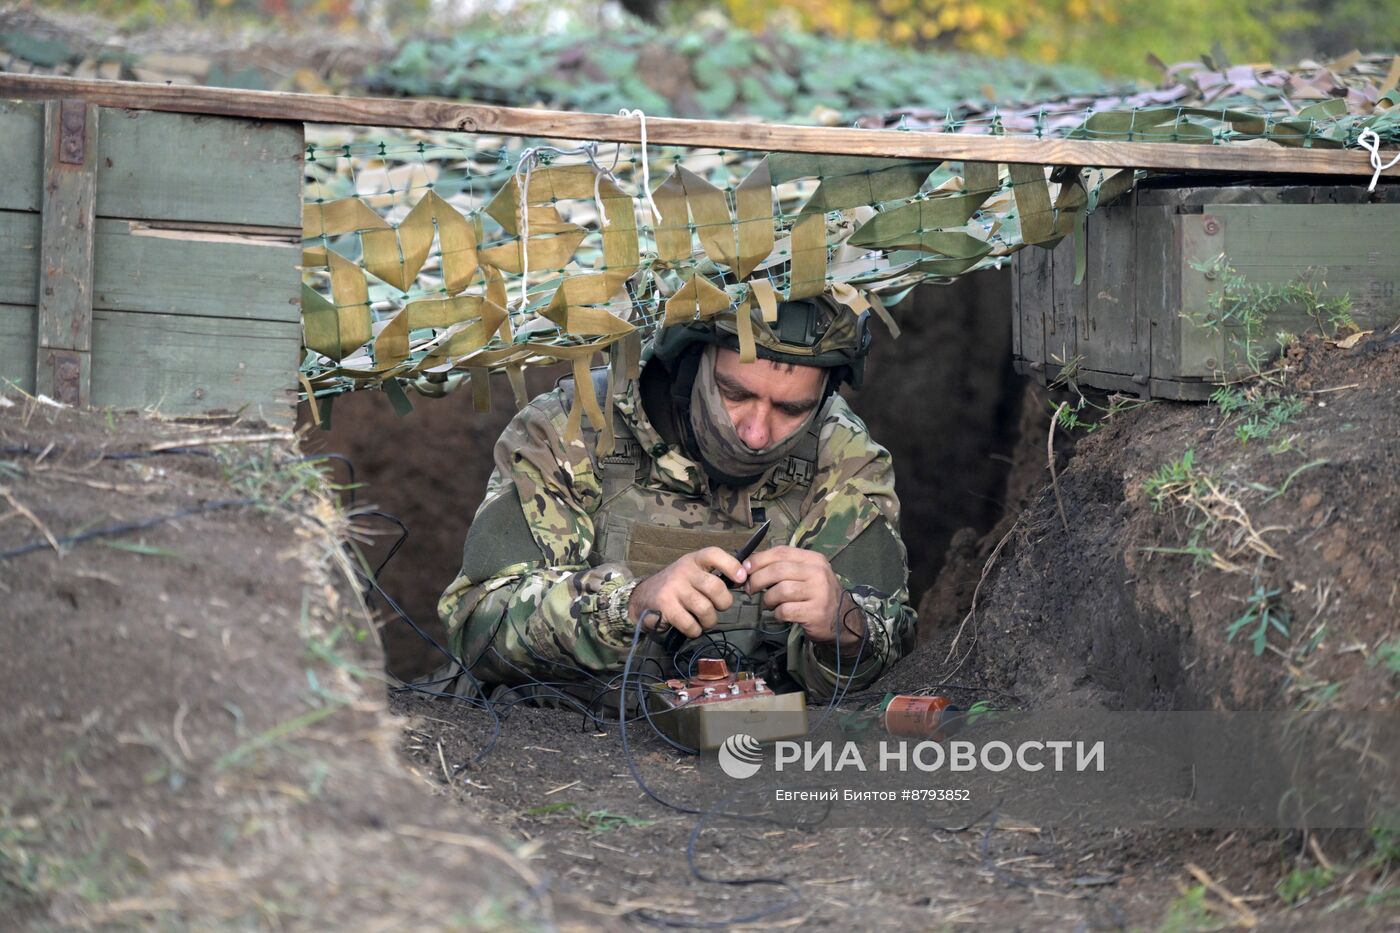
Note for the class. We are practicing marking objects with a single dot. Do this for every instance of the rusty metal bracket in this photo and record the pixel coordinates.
(67, 376)
(72, 137)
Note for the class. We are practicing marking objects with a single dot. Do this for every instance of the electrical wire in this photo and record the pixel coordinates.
(109, 531)
(794, 896)
(461, 668)
(394, 548)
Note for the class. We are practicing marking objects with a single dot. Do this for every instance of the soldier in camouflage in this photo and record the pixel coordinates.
(571, 548)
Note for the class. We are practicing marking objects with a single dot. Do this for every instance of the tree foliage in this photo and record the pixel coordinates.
(1114, 37)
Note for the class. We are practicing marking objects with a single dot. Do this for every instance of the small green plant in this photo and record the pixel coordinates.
(1243, 307)
(1173, 481)
(1189, 913)
(1094, 416)
(270, 477)
(981, 709)
(1386, 844)
(1263, 411)
(1272, 413)
(1265, 611)
(1229, 399)
(597, 821)
(1302, 883)
(1070, 419)
(1387, 655)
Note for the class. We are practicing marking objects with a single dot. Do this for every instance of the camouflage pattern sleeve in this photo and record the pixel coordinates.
(526, 611)
(852, 494)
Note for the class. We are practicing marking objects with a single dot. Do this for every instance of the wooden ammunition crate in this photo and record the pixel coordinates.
(150, 260)
(1147, 263)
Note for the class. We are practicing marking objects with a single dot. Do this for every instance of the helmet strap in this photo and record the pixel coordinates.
(683, 372)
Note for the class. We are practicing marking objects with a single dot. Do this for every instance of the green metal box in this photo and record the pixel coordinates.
(150, 260)
(1129, 324)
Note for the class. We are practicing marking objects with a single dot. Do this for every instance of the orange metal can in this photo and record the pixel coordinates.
(919, 717)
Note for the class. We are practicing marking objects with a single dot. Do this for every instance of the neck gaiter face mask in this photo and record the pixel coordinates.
(728, 459)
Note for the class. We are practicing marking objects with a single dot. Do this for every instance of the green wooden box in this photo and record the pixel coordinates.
(1127, 325)
(150, 260)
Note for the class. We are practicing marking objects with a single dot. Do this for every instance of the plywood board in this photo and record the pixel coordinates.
(1067, 311)
(21, 154)
(207, 274)
(168, 166)
(17, 326)
(179, 364)
(1109, 341)
(1357, 244)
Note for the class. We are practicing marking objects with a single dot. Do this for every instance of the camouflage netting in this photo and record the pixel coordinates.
(417, 271)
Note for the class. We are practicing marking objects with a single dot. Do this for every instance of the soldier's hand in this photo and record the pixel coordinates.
(801, 588)
(687, 593)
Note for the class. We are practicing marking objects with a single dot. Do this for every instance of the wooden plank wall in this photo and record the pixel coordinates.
(1124, 320)
(196, 253)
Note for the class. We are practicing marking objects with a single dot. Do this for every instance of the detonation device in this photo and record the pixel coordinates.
(715, 703)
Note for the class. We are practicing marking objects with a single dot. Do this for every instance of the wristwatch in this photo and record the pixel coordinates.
(610, 618)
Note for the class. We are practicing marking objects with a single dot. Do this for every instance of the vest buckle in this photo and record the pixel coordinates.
(799, 470)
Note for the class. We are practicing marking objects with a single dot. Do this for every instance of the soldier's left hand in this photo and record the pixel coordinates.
(801, 588)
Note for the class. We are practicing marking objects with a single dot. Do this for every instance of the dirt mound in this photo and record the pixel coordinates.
(194, 731)
(1235, 556)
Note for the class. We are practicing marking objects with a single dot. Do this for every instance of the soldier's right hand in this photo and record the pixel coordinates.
(687, 593)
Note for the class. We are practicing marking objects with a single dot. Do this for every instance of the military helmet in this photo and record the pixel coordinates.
(818, 331)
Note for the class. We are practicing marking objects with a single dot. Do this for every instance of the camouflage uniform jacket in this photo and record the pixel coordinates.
(561, 526)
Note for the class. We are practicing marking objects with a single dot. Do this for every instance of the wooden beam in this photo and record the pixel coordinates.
(63, 337)
(762, 137)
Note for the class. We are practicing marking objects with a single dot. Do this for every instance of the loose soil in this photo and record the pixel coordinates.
(1099, 613)
(192, 735)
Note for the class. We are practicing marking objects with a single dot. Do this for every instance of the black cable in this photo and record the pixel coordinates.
(476, 684)
(394, 549)
(792, 900)
(349, 469)
(107, 531)
(622, 718)
(531, 681)
(836, 625)
(31, 450)
(438, 694)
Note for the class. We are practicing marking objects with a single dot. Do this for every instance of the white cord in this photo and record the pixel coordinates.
(529, 160)
(603, 221)
(525, 166)
(646, 160)
(1370, 140)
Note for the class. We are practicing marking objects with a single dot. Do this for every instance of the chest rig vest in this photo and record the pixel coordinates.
(644, 524)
